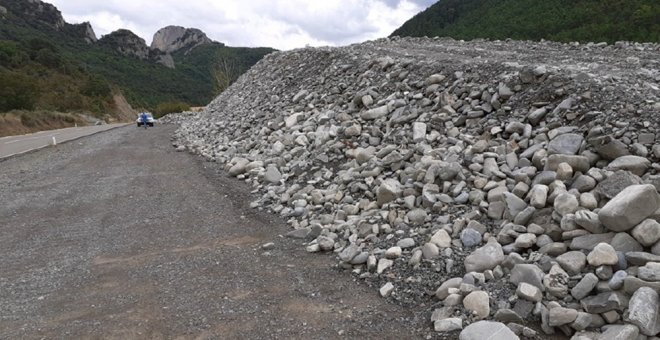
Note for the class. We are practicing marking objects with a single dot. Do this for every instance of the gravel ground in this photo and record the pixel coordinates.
(118, 236)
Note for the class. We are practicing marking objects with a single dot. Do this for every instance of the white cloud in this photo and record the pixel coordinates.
(280, 24)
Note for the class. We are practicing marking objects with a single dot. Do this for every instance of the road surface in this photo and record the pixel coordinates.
(119, 236)
(14, 145)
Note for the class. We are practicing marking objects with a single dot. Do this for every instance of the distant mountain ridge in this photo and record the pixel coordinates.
(38, 46)
(559, 20)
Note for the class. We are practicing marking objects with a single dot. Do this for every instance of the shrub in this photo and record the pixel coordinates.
(96, 86)
(171, 107)
(17, 92)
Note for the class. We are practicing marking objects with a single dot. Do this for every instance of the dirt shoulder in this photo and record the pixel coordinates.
(118, 236)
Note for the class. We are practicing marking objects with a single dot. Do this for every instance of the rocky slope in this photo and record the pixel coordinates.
(508, 181)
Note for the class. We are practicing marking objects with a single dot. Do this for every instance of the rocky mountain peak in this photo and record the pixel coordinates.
(173, 38)
(85, 31)
(127, 43)
(39, 11)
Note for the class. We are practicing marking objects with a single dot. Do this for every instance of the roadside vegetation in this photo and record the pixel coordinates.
(167, 108)
(19, 122)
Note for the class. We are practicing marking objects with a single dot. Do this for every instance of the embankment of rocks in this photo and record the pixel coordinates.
(515, 182)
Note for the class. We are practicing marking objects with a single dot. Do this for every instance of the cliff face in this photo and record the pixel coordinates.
(44, 17)
(34, 12)
(47, 13)
(85, 31)
(174, 38)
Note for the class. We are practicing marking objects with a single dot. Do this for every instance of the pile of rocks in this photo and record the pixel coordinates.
(522, 192)
(177, 119)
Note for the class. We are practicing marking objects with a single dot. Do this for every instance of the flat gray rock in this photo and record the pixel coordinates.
(647, 233)
(585, 286)
(448, 325)
(649, 272)
(578, 163)
(560, 316)
(625, 243)
(640, 258)
(631, 284)
(605, 302)
(630, 207)
(527, 273)
(635, 164)
(609, 148)
(443, 291)
(615, 183)
(620, 332)
(487, 330)
(566, 144)
(375, 113)
(572, 262)
(484, 258)
(588, 242)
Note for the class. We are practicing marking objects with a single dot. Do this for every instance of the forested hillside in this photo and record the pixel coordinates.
(49, 65)
(559, 20)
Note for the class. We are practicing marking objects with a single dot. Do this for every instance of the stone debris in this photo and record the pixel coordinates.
(516, 191)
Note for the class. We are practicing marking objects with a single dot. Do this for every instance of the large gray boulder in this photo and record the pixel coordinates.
(630, 207)
(635, 164)
(643, 311)
(620, 332)
(485, 258)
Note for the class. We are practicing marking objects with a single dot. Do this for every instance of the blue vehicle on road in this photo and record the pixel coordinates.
(145, 119)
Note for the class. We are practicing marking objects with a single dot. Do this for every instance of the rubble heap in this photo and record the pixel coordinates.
(501, 184)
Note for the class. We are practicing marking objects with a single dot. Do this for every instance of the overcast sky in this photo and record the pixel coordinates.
(282, 24)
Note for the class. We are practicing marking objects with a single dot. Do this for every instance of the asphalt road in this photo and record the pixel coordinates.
(14, 145)
(118, 236)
